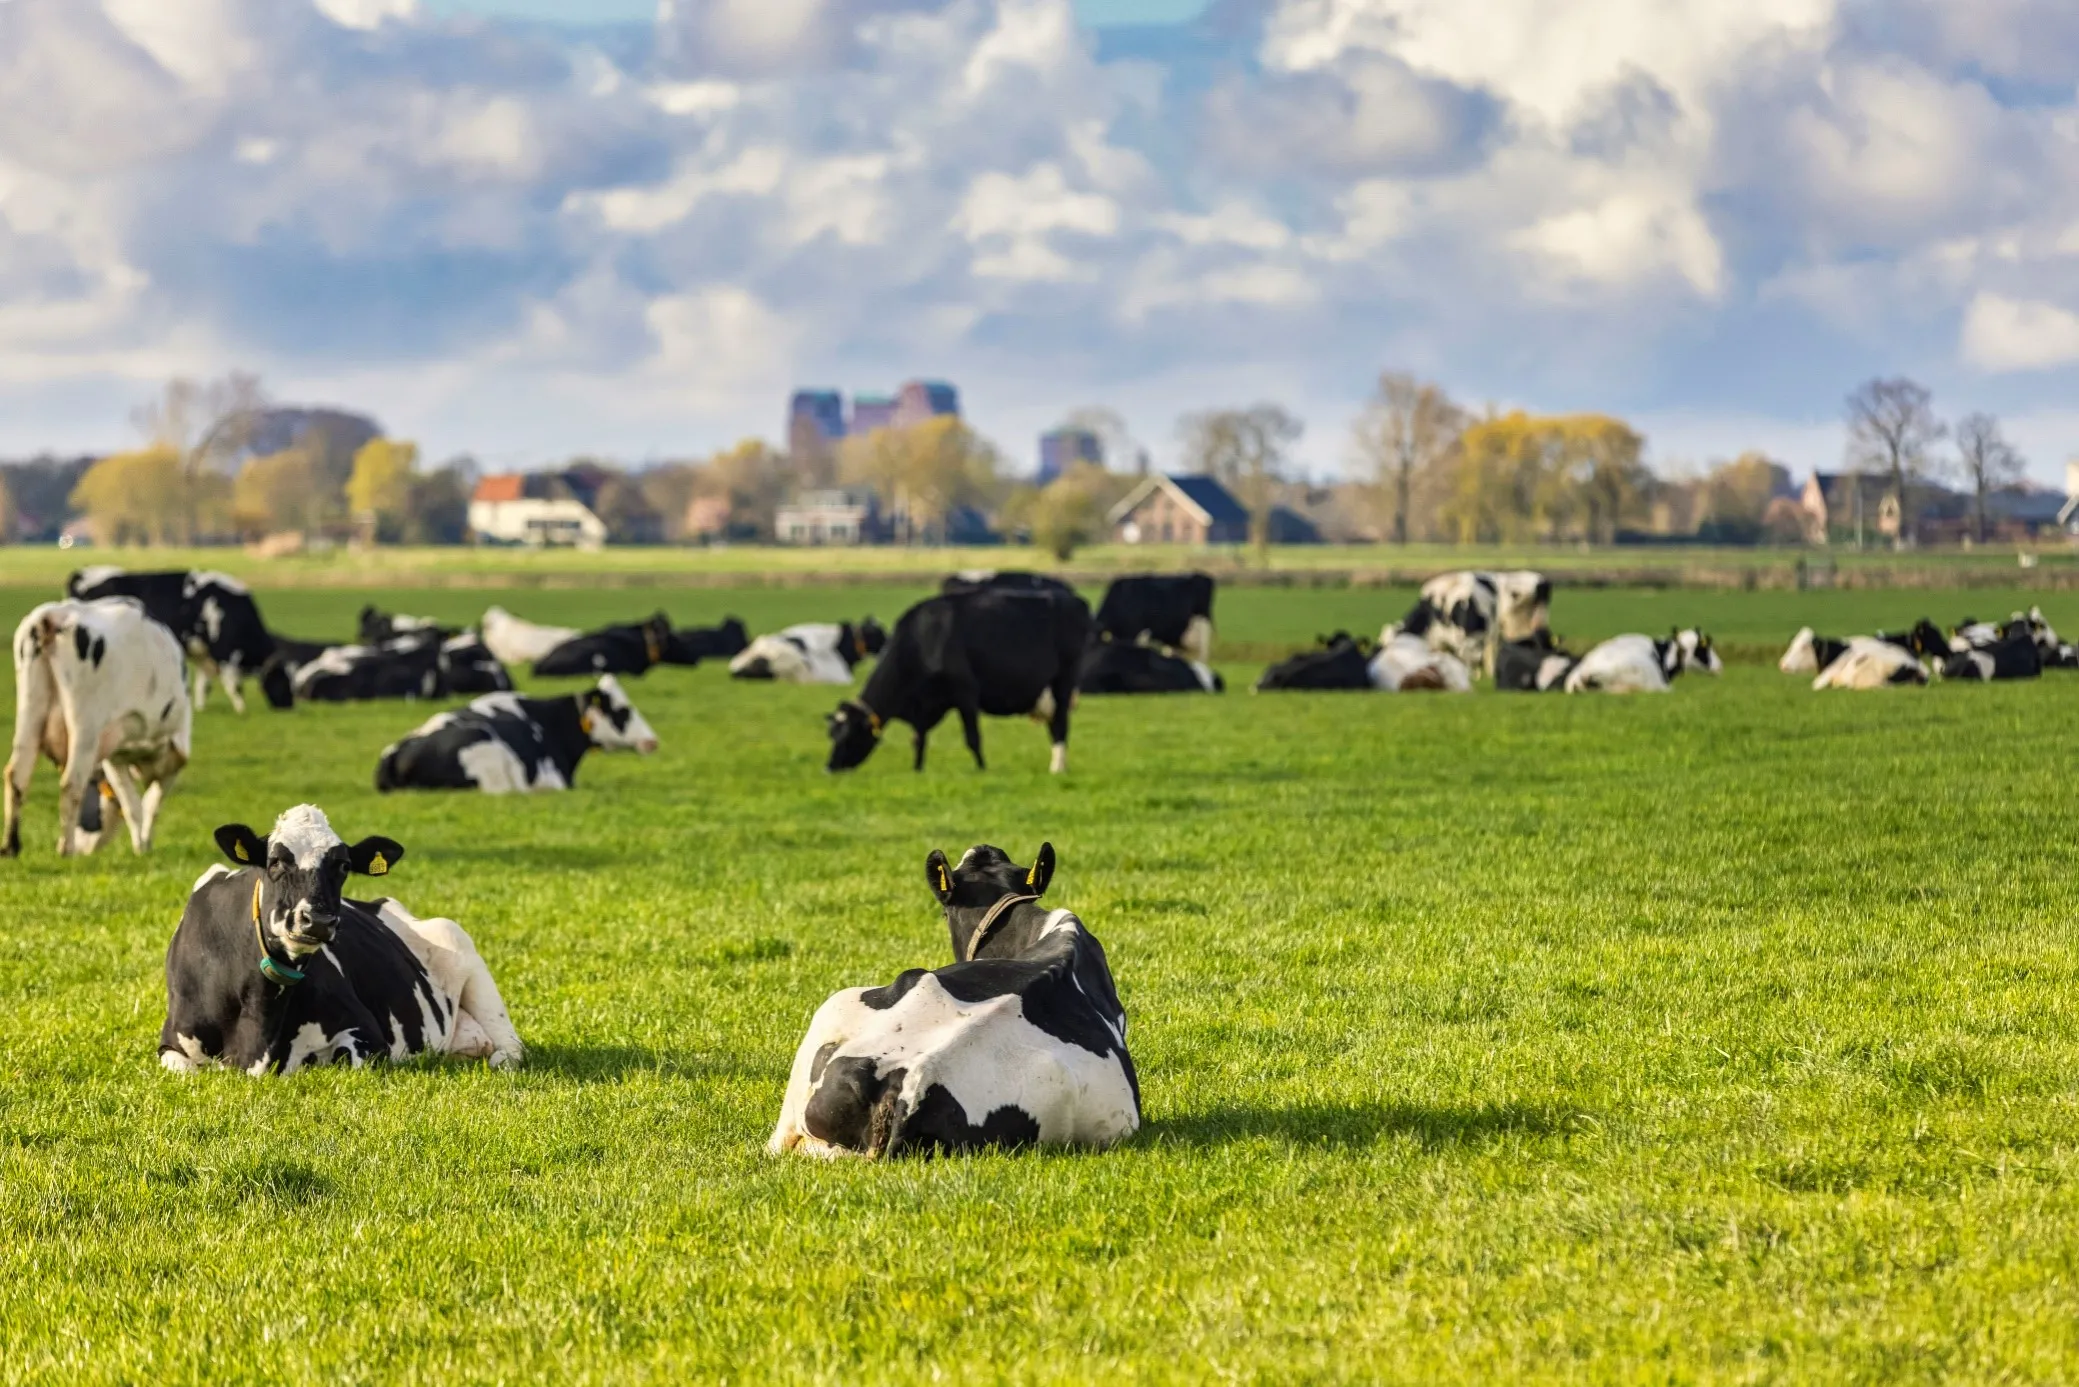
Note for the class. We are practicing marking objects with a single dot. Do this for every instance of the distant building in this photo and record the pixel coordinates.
(870, 412)
(1061, 449)
(815, 422)
(536, 508)
(1288, 526)
(1190, 509)
(922, 400)
(848, 515)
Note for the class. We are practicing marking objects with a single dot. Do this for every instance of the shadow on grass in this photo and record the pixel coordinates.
(607, 1062)
(1357, 1124)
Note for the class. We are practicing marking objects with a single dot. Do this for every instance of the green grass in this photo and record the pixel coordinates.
(1728, 1036)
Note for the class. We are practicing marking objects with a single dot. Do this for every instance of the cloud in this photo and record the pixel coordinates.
(2003, 334)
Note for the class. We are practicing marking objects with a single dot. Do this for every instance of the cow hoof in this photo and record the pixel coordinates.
(506, 1059)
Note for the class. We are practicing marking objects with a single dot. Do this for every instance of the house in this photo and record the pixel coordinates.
(532, 508)
(1841, 505)
(844, 515)
(1179, 509)
(1288, 526)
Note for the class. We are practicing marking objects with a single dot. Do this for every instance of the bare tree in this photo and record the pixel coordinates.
(1245, 448)
(1892, 431)
(1408, 426)
(1989, 460)
(1121, 452)
(209, 425)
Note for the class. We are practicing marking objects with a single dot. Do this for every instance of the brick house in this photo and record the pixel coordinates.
(1189, 509)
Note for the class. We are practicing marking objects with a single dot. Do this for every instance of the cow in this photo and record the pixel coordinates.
(1015, 580)
(504, 744)
(101, 689)
(278, 674)
(2016, 657)
(690, 645)
(1169, 609)
(406, 668)
(628, 649)
(989, 651)
(1408, 664)
(273, 969)
(212, 615)
(1339, 662)
(1811, 653)
(1465, 612)
(1020, 1041)
(1866, 662)
(1535, 664)
(814, 652)
(1640, 664)
(1113, 667)
(378, 626)
(518, 642)
(1977, 635)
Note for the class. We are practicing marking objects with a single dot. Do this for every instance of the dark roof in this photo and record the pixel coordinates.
(1288, 526)
(2029, 506)
(1209, 496)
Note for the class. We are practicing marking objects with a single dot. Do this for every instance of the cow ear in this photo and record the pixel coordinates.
(940, 876)
(1042, 870)
(242, 845)
(374, 855)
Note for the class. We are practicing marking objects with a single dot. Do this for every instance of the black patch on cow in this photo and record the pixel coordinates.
(100, 649)
(881, 998)
(1341, 663)
(822, 1058)
(81, 640)
(938, 1123)
(843, 1108)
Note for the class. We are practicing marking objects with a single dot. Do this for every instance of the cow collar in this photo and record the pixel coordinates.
(280, 974)
(873, 719)
(650, 646)
(996, 912)
(858, 644)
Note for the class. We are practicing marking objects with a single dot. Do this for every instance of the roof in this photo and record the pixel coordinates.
(510, 487)
(1203, 495)
(2030, 506)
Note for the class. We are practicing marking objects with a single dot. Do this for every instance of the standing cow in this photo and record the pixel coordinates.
(1021, 1040)
(272, 969)
(990, 651)
(99, 689)
(212, 615)
(1467, 612)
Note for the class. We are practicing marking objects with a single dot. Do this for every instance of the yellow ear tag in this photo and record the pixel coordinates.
(943, 883)
(1031, 873)
(238, 851)
(585, 724)
(378, 865)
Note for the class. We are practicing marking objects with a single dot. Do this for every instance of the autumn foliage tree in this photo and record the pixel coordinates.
(1519, 477)
(379, 490)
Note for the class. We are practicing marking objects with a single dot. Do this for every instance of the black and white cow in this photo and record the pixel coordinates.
(1977, 635)
(1533, 665)
(1640, 664)
(2016, 657)
(467, 666)
(1463, 613)
(1020, 1041)
(690, 645)
(278, 674)
(407, 668)
(1811, 653)
(1865, 662)
(1409, 664)
(1340, 662)
(378, 626)
(1015, 580)
(516, 641)
(990, 651)
(100, 688)
(629, 649)
(505, 744)
(1114, 667)
(813, 652)
(212, 615)
(1172, 609)
(272, 969)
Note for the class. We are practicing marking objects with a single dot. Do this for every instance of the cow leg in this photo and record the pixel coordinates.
(20, 765)
(229, 676)
(971, 728)
(1057, 726)
(73, 786)
(124, 789)
(200, 677)
(918, 738)
(168, 770)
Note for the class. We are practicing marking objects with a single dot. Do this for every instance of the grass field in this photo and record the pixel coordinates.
(1727, 1036)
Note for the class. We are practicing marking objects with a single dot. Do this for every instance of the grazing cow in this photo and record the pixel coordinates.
(1015, 580)
(1640, 664)
(99, 688)
(1172, 609)
(1408, 664)
(2016, 657)
(629, 649)
(690, 645)
(518, 642)
(1867, 662)
(1533, 665)
(378, 626)
(1340, 662)
(272, 969)
(1462, 613)
(1020, 1041)
(1111, 667)
(988, 651)
(813, 652)
(504, 744)
(212, 615)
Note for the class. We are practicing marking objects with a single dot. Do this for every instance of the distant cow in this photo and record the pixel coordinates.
(1172, 609)
(272, 969)
(1640, 664)
(212, 615)
(1111, 667)
(378, 626)
(814, 652)
(2016, 657)
(1408, 664)
(1534, 665)
(99, 688)
(1341, 662)
(990, 651)
(278, 674)
(2051, 652)
(1020, 1041)
(407, 668)
(1811, 653)
(692, 644)
(1865, 662)
(518, 642)
(1462, 613)
(505, 744)
(1015, 580)
(629, 649)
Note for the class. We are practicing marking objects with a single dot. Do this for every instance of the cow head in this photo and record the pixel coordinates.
(277, 685)
(855, 730)
(1692, 649)
(983, 876)
(303, 870)
(870, 638)
(611, 721)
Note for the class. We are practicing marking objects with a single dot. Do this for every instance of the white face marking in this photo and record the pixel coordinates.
(1800, 658)
(636, 733)
(306, 833)
(212, 619)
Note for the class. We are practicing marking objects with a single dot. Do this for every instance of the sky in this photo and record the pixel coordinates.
(530, 229)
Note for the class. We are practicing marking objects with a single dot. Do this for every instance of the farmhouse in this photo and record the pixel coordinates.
(844, 515)
(534, 509)
(1186, 509)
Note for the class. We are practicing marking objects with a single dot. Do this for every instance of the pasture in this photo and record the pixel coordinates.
(1726, 1036)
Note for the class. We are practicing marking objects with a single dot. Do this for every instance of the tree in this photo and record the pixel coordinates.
(1245, 449)
(1069, 511)
(276, 493)
(1989, 461)
(1407, 429)
(627, 514)
(208, 426)
(146, 497)
(378, 492)
(926, 471)
(438, 512)
(1892, 431)
(1737, 496)
(1121, 452)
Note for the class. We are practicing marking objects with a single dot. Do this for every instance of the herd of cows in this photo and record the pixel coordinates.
(1020, 1039)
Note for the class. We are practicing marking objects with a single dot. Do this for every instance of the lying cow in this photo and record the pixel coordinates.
(2016, 657)
(1462, 613)
(99, 688)
(1011, 579)
(1532, 665)
(1811, 653)
(1170, 609)
(278, 674)
(1110, 667)
(691, 644)
(628, 649)
(212, 615)
(990, 651)
(518, 642)
(814, 652)
(272, 969)
(1020, 1041)
(504, 744)
(378, 626)
(2051, 652)
(1640, 664)
(1408, 664)
(1865, 662)
(408, 668)
(1340, 662)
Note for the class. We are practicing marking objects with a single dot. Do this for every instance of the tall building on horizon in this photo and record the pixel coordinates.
(1060, 449)
(815, 421)
(919, 400)
(870, 412)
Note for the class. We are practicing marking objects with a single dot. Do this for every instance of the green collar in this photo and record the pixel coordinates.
(280, 974)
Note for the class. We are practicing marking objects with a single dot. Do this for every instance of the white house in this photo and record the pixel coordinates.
(502, 512)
